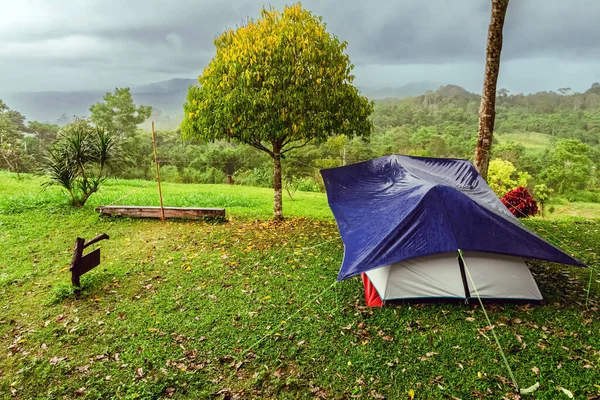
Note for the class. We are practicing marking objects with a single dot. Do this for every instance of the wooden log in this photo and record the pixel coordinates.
(155, 212)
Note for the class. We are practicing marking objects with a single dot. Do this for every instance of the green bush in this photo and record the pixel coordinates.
(308, 184)
(136, 173)
(584, 196)
(169, 173)
(61, 293)
(261, 177)
(80, 159)
(191, 175)
(213, 175)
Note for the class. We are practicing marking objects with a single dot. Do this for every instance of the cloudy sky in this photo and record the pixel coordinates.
(100, 44)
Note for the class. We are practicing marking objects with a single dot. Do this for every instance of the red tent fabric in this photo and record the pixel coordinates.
(371, 296)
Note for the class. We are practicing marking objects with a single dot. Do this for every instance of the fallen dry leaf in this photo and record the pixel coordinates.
(55, 360)
(567, 392)
(530, 389)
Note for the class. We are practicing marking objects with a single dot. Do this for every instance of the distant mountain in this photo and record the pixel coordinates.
(172, 85)
(166, 96)
(409, 90)
(49, 106)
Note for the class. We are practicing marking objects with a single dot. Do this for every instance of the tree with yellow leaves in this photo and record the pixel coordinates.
(277, 84)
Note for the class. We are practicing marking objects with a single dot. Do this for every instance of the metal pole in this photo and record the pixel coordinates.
(162, 210)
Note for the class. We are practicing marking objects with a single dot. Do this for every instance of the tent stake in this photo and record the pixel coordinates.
(162, 209)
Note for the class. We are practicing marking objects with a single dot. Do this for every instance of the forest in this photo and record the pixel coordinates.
(547, 138)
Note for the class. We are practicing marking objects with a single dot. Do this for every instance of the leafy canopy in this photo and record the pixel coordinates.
(503, 177)
(279, 80)
(12, 124)
(118, 114)
(542, 192)
(570, 167)
(12, 152)
(45, 133)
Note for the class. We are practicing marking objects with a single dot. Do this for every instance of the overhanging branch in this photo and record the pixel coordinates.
(258, 145)
(286, 140)
(297, 147)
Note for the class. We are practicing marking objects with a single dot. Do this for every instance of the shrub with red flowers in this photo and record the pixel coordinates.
(520, 203)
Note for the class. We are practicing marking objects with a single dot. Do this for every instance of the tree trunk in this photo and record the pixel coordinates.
(487, 111)
(277, 207)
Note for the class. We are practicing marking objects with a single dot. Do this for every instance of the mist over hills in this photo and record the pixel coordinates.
(166, 97)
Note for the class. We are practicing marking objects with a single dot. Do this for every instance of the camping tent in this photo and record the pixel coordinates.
(404, 219)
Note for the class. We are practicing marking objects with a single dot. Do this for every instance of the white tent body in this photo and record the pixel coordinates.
(441, 276)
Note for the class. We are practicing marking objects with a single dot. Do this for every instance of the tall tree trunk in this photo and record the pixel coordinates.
(487, 111)
(277, 206)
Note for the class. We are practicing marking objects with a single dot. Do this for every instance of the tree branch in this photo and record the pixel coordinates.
(297, 147)
(258, 145)
(286, 140)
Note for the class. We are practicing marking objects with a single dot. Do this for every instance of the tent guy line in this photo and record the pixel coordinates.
(284, 322)
(510, 372)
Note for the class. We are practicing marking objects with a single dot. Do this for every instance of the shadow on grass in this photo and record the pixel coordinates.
(566, 286)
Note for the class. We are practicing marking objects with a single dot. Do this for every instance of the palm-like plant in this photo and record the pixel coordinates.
(80, 159)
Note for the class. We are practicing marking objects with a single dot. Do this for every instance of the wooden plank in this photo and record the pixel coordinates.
(155, 212)
(88, 262)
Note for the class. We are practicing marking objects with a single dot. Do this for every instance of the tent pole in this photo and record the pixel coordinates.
(464, 279)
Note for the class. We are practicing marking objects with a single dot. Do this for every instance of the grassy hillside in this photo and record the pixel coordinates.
(575, 209)
(534, 142)
(248, 308)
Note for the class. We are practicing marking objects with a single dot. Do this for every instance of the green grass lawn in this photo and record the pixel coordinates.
(248, 308)
(574, 209)
(534, 142)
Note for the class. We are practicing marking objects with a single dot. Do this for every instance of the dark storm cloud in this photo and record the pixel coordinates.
(449, 31)
(136, 41)
(553, 27)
